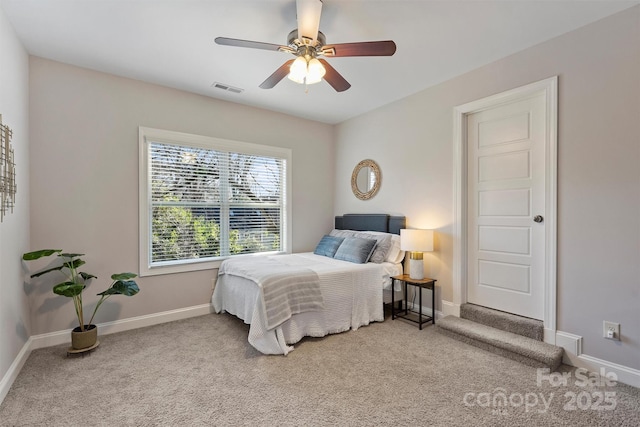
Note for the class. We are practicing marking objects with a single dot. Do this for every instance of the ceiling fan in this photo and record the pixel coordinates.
(307, 43)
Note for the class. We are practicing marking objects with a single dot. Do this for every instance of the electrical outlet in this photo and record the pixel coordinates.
(611, 330)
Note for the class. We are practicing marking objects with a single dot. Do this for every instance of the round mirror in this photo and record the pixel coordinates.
(365, 179)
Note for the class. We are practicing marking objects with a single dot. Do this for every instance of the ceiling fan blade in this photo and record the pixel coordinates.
(278, 75)
(380, 48)
(334, 78)
(247, 43)
(308, 12)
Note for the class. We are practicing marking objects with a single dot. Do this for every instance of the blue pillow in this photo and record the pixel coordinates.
(355, 249)
(328, 246)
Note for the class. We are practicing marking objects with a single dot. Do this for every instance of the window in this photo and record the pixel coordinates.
(204, 199)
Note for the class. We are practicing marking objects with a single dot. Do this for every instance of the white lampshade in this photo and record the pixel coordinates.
(416, 242)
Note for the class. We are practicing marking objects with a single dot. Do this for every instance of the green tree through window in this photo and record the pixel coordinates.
(211, 203)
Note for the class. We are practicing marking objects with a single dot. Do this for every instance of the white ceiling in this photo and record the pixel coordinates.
(170, 42)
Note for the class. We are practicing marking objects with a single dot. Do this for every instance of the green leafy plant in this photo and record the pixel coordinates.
(76, 281)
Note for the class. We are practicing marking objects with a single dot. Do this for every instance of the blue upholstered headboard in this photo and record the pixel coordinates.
(371, 222)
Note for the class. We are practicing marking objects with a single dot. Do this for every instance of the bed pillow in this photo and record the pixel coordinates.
(382, 252)
(356, 250)
(395, 254)
(383, 245)
(343, 233)
(328, 246)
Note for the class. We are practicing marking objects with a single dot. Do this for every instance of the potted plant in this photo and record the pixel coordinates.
(84, 335)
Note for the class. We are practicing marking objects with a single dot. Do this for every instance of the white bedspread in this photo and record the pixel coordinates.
(286, 288)
(352, 296)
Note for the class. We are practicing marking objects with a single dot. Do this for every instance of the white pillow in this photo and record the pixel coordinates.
(342, 233)
(395, 255)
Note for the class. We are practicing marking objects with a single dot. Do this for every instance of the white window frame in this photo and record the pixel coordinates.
(151, 135)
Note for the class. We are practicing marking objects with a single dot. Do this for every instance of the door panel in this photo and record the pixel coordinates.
(514, 240)
(506, 189)
(504, 166)
(501, 130)
(505, 276)
(508, 203)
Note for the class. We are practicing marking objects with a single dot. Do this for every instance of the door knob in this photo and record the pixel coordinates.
(538, 218)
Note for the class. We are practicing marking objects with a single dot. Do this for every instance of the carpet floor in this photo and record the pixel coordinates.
(202, 372)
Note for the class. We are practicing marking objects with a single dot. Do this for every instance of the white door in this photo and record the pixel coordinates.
(506, 206)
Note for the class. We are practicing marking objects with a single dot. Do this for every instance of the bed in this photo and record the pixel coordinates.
(325, 294)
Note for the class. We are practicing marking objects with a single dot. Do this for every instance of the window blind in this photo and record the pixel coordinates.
(210, 203)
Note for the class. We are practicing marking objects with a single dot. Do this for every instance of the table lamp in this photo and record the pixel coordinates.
(416, 242)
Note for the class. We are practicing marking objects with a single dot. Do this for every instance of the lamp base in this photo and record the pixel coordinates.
(416, 269)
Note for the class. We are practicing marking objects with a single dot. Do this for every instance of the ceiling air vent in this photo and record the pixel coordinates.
(228, 88)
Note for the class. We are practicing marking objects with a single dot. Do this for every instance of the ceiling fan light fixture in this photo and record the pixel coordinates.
(298, 70)
(307, 43)
(315, 71)
(305, 71)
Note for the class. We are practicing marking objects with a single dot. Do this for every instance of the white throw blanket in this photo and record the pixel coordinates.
(286, 289)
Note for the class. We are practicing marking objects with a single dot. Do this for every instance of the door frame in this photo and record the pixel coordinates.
(548, 87)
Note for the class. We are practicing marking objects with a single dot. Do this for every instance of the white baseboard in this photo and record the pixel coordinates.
(62, 337)
(549, 336)
(450, 309)
(625, 374)
(426, 311)
(14, 369)
(572, 345)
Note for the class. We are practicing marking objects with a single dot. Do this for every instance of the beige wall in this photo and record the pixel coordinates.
(15, 327)
(83, 161)
(84, 170)
(598, 157)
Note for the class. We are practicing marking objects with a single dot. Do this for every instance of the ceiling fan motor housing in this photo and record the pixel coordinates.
(296, 43)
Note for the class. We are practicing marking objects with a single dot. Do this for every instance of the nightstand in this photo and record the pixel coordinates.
(412, 315)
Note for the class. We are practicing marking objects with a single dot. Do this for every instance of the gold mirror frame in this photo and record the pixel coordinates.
(375, 169)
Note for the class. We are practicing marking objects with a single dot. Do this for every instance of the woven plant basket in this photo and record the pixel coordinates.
(86, 339)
